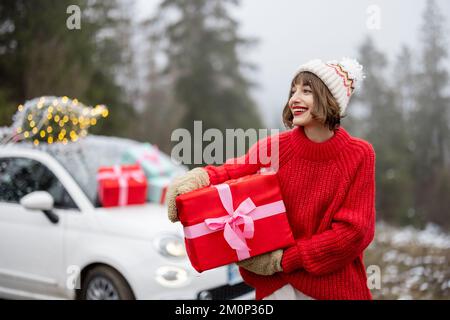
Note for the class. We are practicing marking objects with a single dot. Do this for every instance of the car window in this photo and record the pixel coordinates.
(21, 176)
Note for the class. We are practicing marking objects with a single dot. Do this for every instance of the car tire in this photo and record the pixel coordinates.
(104, 283)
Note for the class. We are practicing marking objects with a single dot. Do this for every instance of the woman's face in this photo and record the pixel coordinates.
(301, 103)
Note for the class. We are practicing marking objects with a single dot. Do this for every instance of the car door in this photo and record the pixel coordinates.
(31, 246)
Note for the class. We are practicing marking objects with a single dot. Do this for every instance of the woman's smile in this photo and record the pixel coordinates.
(298, 110)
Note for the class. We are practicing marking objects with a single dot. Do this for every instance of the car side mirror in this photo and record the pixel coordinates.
(40, 200)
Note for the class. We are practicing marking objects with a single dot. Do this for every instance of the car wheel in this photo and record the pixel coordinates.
(104, 283)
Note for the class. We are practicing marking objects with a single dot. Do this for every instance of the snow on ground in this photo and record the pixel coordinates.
(413, 263)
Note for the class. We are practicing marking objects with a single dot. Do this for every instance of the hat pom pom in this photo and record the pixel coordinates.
(354, 70)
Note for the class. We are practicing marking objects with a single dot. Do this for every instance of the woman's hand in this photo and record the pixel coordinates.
(265, 264)
(194, 179)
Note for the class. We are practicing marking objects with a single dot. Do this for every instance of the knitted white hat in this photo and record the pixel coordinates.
(341, 77)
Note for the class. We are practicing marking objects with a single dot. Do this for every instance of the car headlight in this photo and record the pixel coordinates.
(171, 246)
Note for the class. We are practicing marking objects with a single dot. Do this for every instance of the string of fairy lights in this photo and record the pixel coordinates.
(52, 119)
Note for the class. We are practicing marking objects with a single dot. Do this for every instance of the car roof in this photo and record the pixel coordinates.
(20, 151)
(27, 147)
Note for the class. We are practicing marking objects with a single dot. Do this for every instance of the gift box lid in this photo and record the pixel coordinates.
(193, 207)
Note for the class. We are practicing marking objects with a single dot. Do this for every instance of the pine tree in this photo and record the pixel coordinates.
(40, 56)
(405, 83)
(205, 74)
(387, 131)
(430, 121)
(158, 118)
(404, 88)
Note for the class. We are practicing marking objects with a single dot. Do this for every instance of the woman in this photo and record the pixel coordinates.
(327, 179)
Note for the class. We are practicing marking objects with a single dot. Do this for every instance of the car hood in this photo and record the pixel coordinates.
(138, 221)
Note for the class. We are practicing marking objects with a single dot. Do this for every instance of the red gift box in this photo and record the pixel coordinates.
(234, 221)
(121, 185)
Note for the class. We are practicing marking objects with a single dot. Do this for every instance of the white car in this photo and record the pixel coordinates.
(56, 242)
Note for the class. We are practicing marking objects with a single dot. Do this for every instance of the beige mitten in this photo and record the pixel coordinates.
(194, 179)
(265, 264)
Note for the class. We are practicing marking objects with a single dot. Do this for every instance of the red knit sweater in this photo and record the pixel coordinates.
(329, 192)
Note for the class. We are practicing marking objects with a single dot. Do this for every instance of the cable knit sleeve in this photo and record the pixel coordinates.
(258, 156)
(352, 228)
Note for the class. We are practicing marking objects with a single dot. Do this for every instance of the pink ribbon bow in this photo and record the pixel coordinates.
(246, 214)
(230, 224)
(122, 177)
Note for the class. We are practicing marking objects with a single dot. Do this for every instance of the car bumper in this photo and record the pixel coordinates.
(212, 284)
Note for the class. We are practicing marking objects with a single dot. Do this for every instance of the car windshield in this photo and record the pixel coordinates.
(83, 158)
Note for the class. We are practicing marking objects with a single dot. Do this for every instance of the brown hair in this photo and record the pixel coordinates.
(326, 109)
